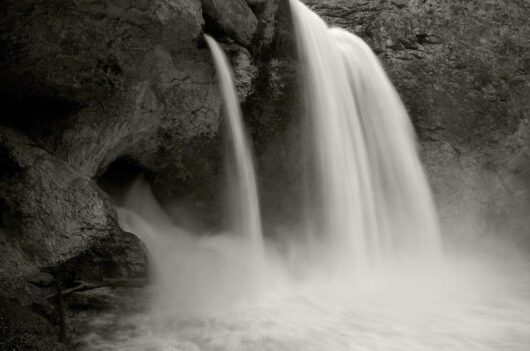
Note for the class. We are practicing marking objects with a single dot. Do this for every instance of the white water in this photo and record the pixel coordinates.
(245, 203)
(207, 299)
(374, 203)
(374, 209)
(192, 274)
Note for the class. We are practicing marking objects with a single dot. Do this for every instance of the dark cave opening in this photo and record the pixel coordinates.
(188, 187)
(119, 176)
(212, 28)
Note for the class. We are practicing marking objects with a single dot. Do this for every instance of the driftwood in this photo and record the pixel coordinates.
(112, 283)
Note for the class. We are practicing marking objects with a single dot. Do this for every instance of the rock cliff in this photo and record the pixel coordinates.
(93, 94)
(462, 68)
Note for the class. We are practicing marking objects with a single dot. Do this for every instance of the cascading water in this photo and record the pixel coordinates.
(187, 268)
(373, 200)
(246, 210)
(372, 208)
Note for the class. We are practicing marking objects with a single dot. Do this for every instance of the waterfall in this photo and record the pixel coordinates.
(363, 274)
(245, 206)
(372, 202)
(187, 267)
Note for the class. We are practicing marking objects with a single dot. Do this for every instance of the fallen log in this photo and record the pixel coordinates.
(107, 282)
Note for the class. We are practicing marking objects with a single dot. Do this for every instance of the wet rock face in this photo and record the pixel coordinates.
(88, 84)
(21, 329)
(51, 209)
(233, 17)
(462, 70)
(85, 84)
(90, 48)
(95, 81)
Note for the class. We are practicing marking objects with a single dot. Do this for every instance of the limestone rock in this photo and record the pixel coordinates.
(96, 81)
(256, 2)
(233, 17)
(83, 87)
(20, 329)
(91, 48)
(50, 209)
(90, 89)
(245, 71)
(273, 116)
(119, 255)
(462, 70)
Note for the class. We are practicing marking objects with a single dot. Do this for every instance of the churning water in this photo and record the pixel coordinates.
(207, 297)
(368, 273)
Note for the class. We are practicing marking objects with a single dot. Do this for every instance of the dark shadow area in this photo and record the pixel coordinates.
(3, 210)
(8, 166)
(213, 29)
(38, 117)
(187, 186)
(119, 176)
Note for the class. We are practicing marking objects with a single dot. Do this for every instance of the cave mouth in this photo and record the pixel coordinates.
(193, 203)
(119, 176)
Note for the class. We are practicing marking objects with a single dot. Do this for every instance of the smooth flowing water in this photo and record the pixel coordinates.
(374, 204)
(244, 200)
(368, 273)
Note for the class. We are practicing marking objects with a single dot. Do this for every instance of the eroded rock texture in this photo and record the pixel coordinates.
(462, 68)
(233, 17)
(82, 84)
(22, 330)
(93, 94)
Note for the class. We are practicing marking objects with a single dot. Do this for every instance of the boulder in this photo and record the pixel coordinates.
(50, 209)
(233, 17)
(245, 71)
(20, 329)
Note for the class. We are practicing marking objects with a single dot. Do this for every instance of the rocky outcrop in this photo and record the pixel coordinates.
(87, 84)
(462, 70)
(93, 94)
(274, 117)
(245, 70)
(51, 209)
(21, 329)
(233, 17)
